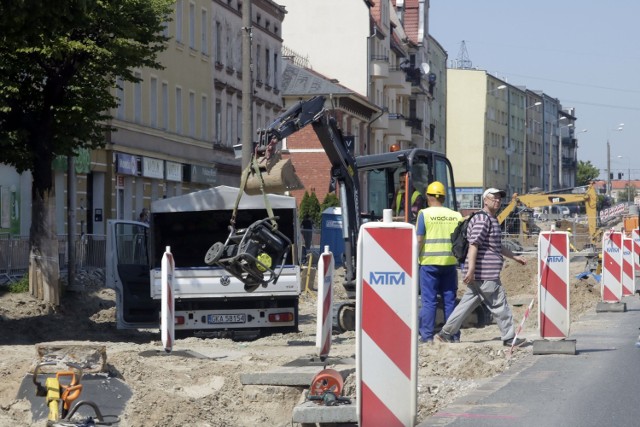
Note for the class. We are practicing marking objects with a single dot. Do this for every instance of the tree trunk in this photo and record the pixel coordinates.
(44, 267)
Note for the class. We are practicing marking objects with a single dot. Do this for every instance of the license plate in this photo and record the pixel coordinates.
(215, 319)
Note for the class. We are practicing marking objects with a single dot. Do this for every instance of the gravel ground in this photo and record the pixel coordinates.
(176, 390)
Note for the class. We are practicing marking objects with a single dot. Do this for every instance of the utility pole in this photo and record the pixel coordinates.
(608, 169)
(71, 221)
(247, 86)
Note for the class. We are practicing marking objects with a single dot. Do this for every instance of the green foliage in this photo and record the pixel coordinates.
(315, 212)
(59, 64)
(309, 205)
(21, 286)
(330, 200)
(586, 173)
(303, 210)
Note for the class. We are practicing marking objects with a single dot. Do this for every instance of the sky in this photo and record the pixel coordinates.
(584, 53)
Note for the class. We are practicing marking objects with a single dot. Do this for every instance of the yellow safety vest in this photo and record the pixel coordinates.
(400, 205)
(439, 223)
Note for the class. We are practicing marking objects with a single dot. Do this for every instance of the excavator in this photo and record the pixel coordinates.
(527, 227)
(378, 174)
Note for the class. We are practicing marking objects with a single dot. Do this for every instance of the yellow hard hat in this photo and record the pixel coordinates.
(436, 189)
(569, 229)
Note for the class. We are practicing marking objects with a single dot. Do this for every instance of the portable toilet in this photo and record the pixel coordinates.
(331, 233)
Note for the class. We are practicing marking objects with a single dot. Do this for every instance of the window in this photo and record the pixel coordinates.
(178, 110)
(153, 102)
(137, 99)
(229, 127)
(258, 71)
(218, 42)
(179, 21)
(204, 46)
(229, 46)
(204, 118)
(275, 70)
(192, 114)
(267, 60)
(218, 123)
(165, 106)
(192, 25)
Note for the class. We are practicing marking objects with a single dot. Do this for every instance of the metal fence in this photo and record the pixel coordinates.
(14, 254)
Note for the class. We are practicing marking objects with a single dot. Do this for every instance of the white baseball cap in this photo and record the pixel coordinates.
(494, 191)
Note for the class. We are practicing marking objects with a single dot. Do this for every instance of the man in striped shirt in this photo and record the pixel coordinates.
(481, 272)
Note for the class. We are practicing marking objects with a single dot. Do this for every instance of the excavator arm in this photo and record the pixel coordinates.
(538, 200)
(344, 174)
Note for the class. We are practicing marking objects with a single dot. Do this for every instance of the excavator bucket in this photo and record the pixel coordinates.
(278, 175)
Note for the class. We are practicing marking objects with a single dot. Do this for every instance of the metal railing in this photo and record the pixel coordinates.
(14, 254)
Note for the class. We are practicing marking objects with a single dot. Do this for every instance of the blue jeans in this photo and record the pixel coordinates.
(434, 280)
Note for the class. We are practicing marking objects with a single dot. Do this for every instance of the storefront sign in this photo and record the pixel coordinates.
(126, 164)
(173, 171)
(203, 174)
(152, 168)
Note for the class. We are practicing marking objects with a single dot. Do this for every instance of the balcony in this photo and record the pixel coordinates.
(381, 123)
(379, 67)
(415, 125)
(398, 127)
(398, 80)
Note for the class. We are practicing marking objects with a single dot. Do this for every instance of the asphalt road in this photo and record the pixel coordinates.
(599, 386)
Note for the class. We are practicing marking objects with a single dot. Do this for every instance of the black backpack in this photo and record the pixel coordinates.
(459, 242)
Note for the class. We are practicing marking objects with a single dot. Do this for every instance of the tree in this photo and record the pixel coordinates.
(330, 201)
(58, 68)
(586, 173)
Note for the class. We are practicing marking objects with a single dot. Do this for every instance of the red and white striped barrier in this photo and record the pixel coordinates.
(167, 310)
(627, 267)
(386, 324)
(635, 235)
(324, 320)
(553, 284)
(611, 282)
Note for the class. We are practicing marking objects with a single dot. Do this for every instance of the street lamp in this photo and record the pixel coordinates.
(618, 129)
(526, 146)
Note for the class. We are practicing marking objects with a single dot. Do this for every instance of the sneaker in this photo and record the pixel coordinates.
(512, 343)
(444, 337)
(423, 341)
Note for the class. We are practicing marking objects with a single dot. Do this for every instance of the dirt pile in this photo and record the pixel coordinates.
(177, 390)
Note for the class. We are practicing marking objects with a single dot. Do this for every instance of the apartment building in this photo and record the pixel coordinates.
(363, 45)
(505, 136)
(437, 97)
(175, 127)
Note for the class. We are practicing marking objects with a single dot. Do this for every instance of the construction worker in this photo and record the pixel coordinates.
(417, 201)
(438, 266)
(573, 248)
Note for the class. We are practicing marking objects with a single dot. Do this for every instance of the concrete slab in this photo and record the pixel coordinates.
(298, 373)
(92, 358)
(314, 413)
(615, 307)
(567, 346)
